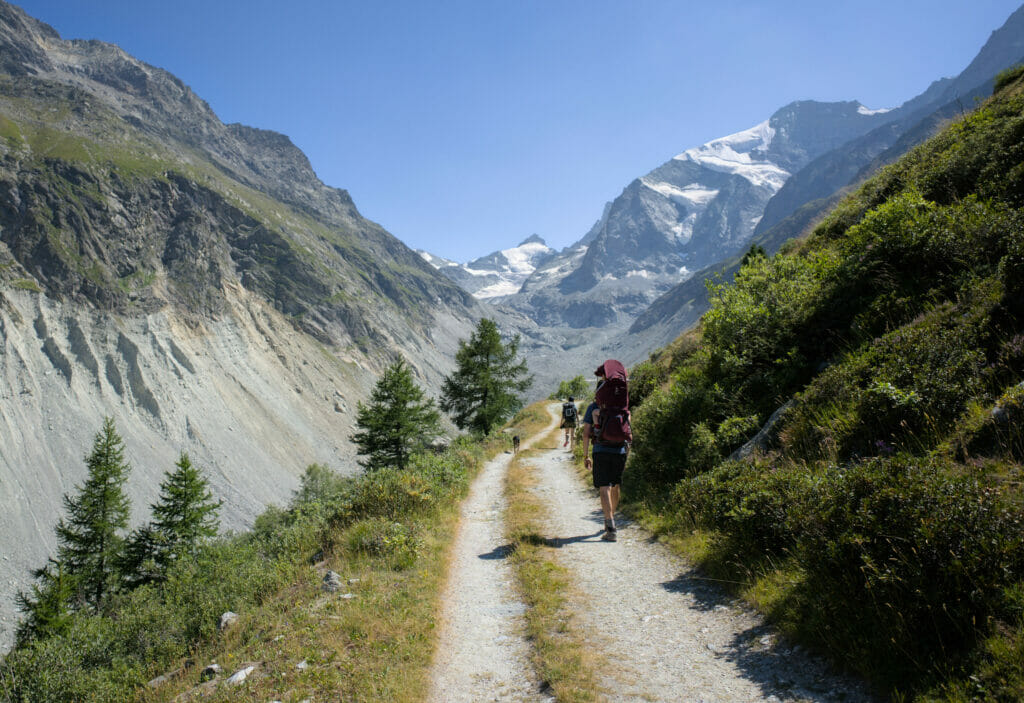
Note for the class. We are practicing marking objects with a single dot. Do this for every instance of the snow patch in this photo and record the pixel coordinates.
(866, 111)
(497, 290)
(735, 154)
(520, 259)
(694, 195)
(478, 272)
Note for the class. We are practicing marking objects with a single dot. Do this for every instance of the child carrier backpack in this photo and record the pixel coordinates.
(612, 398)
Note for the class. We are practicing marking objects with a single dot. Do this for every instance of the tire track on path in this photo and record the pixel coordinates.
(665, 633)
(482, 654)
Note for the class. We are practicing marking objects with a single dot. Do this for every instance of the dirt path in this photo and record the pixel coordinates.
(666, 634)
(482, 653)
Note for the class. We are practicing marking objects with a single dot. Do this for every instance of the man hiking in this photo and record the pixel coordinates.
(606, 427)
(569, 417)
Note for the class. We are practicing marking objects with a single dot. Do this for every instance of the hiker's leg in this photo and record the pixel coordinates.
(606, 503)
(613, 497)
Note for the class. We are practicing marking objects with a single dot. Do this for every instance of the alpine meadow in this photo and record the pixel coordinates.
(256, 447)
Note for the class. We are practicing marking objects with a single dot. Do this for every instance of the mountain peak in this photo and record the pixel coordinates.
(533, 239)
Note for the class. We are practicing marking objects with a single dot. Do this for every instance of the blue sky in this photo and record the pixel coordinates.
(464, 126)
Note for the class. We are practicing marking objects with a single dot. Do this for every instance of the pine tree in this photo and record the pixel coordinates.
(483, 391)
(397, 422)
(89, 536)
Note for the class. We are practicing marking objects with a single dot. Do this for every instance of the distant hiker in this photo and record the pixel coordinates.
(570, 415)
(515, 444)
(606, 427)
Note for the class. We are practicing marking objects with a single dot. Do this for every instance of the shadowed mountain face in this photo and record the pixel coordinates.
(193, 280)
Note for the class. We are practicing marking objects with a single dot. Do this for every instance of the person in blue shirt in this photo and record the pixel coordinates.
(606, 464)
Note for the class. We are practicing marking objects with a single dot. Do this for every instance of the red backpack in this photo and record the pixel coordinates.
(612, 428)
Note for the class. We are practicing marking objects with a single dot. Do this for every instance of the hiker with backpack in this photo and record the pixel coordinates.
(569, 418)
(606, 428)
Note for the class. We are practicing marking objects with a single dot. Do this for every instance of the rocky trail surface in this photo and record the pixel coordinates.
(663, 633)
(482, 654)
(666, 633)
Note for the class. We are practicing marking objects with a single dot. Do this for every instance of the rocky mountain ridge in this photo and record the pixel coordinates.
(817, 187)
(642, 267)
(193, 280)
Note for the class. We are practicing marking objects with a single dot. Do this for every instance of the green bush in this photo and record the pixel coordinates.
(644, 379)
(394, 541)
(907, 561)
(751, 504)
(1007, 76)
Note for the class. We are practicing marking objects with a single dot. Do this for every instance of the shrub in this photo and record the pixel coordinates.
(752, 504)
(644, 378)
(394, 541)
(907, 561)
(1007, 77)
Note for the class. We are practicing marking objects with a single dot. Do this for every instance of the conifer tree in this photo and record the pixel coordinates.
(184, 515)
(90, 535)
(47, 607)
(397, 422)
(484, 390)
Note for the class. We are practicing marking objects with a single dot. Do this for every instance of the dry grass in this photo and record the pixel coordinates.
(376, 645)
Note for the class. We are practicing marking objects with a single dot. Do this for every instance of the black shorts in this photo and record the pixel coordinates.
(607, 468)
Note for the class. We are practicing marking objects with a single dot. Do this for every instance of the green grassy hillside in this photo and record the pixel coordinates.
(883, 521)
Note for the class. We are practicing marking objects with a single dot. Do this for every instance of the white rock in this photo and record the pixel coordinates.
(227, 620)
(241, 675)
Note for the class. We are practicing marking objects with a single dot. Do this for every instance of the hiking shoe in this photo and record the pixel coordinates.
(565, 443)
(609, 536)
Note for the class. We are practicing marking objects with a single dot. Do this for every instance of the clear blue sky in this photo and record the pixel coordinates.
(464, 126)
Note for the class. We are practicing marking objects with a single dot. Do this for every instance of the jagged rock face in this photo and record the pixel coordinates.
(193, 280)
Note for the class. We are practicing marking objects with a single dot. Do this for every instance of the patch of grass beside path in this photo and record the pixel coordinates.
(559, 652)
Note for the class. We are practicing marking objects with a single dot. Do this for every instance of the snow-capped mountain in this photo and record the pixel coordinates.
(699, 207)
(498, 274)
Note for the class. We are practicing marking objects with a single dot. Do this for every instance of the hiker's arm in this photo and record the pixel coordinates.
(586, 444)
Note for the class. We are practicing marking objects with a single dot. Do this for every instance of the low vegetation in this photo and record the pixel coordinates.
(383, 532)
(883, 523)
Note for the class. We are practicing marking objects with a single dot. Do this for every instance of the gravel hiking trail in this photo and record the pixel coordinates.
(482, 653)
(663, 632)
(660, 631)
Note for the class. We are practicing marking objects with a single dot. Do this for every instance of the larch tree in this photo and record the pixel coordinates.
(183, 517)
(485, 388)
(90, 536)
